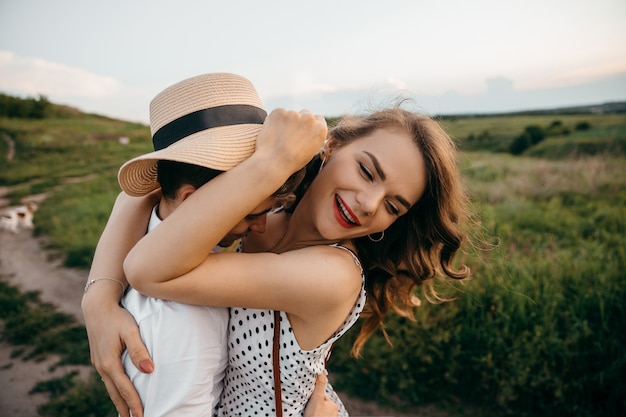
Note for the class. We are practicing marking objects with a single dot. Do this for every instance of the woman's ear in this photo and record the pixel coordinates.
(329, 147)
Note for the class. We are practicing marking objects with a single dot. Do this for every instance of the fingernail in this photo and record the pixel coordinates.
(146, 366)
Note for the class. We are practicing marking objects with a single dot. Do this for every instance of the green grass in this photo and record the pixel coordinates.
(510, 126)
(68, 214)
(538, 330)
(40, 328)
(75, 162)
(40, 331)
(52, 150)
(70, 397)
(607, 134)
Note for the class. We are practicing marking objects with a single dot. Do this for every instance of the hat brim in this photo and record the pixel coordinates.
(220, 148)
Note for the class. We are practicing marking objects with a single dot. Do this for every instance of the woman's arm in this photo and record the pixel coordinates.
(310, 284)
(317, 286)
(286, 143)
(110, 328)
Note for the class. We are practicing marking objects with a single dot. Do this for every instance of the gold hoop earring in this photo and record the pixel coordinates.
(376, 240)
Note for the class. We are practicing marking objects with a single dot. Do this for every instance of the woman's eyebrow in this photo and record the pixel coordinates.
(403, 201)
(377, 166)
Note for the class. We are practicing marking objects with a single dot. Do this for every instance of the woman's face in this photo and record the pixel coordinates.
(367, 184)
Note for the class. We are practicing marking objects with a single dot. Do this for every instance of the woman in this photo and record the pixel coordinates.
(385, 213)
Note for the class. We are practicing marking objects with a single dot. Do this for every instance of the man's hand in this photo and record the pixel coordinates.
(319, 404)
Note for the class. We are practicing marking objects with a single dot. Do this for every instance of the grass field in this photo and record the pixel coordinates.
(539, 328)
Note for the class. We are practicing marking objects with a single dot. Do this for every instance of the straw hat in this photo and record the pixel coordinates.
(211, 120)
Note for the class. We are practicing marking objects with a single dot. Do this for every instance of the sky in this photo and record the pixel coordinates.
(330, 56)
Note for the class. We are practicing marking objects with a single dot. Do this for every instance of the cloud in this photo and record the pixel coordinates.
(499, 97)
(591, 72)
(395, 84)
(37, 76)
(303, 82)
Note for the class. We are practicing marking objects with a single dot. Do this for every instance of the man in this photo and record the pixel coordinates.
(200, 127)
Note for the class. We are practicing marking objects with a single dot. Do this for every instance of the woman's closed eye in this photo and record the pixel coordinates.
(393, 209)
(366, 172)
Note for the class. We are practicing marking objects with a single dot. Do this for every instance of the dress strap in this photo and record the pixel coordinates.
(354, 256)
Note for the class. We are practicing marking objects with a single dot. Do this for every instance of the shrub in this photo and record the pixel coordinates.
(531, 136)
(520, 144)
(583, 126)
(535, 133)
(28, 108)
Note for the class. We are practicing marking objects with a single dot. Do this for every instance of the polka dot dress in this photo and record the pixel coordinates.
(249, 380)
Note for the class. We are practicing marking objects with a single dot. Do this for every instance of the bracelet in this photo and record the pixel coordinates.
(93, 281)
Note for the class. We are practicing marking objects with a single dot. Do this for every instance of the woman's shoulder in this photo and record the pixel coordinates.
(352, 251)
(335, 257)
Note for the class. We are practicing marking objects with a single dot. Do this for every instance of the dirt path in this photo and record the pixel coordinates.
(25, 264)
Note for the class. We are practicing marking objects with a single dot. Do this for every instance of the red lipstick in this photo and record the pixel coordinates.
(344, 215)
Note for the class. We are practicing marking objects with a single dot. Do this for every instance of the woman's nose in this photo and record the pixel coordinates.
(370, 200)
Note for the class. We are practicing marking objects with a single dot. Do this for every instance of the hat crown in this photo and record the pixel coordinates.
(210, 120)
(199, 93)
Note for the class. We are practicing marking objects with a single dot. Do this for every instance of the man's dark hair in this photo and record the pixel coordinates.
(171, 175)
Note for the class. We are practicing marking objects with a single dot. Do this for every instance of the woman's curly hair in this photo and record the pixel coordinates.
(422, 243)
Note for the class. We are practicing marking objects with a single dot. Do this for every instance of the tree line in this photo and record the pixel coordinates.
(31, 108)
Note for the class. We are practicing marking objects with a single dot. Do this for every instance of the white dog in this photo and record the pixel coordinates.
(22, 216)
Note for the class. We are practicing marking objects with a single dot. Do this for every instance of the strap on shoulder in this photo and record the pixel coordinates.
(354, 255)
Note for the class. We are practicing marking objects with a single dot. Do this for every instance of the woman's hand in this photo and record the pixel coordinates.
(110, 328)
(110, 332)
(289, 139)
(319, 404)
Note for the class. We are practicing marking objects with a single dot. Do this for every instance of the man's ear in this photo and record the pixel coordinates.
(185, 191)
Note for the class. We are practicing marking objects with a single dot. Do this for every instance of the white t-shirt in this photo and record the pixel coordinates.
(187, 344)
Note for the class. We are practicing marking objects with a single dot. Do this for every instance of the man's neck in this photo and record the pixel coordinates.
(166, 207)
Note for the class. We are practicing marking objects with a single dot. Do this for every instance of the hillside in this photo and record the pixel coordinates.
(539, 329)
(601, 108)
